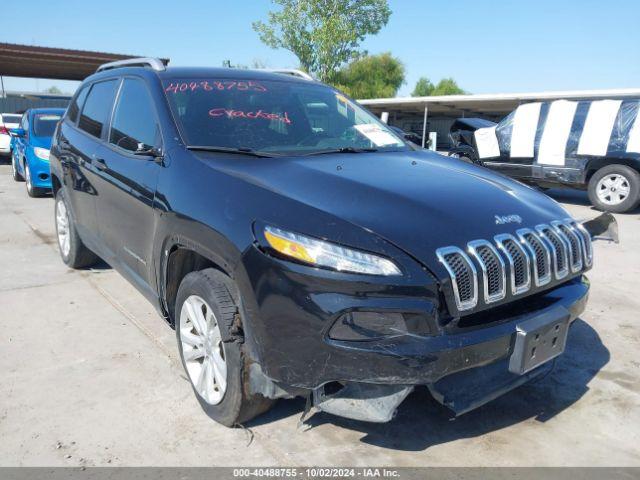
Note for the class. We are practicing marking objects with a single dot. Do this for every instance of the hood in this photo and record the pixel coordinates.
(41, 142)
(419, 201)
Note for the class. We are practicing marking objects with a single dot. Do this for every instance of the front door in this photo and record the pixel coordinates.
(128, 172)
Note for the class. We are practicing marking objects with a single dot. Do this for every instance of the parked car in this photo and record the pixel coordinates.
(7, 122)
(299, 247)
(411, 137)
(590, 145)
(461, 135)
(32, 142)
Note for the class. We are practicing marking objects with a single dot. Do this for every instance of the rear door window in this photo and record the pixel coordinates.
(134, 127)
(97, 107)
(76, 105)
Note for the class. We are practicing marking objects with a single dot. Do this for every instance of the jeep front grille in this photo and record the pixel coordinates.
(530, 259)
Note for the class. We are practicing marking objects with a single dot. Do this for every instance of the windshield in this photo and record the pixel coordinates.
(280, 117)
(44, 124)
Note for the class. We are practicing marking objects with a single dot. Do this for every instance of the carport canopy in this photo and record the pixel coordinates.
(492, 106)
(488, 104)
(56, 63)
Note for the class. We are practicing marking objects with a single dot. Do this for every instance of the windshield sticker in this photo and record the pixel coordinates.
(215, 85)
(223, 112)
(376, 134)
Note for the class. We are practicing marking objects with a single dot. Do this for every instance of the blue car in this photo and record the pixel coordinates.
(31, 143)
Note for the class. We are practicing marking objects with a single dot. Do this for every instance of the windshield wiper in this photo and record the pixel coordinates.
(240, 150)
(342, 150)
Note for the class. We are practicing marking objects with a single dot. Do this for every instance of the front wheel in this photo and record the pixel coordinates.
(210, 342)
(615, 188)
(73, 252)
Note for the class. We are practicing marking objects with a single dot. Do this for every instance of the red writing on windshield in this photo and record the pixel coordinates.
(259, 114)
(209, 86)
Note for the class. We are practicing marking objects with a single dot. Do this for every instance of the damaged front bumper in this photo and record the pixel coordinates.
(465, 363)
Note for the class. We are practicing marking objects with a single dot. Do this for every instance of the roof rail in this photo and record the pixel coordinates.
(292, 72)
(155, 63)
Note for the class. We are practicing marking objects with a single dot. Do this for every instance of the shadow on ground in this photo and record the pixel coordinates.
(421, 422)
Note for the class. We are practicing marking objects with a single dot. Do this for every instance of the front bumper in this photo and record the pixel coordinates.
(293, 307)
(40, 172)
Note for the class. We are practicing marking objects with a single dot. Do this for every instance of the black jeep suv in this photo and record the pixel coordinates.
(301, 248)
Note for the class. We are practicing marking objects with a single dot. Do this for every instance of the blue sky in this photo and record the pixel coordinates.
(487, 46)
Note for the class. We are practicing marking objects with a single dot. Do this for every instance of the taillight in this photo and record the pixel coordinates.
(4, 130)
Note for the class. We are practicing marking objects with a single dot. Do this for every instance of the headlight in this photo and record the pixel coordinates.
(329, 255)
(42, 153)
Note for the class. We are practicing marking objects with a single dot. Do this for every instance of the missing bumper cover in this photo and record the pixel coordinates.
(362, 401)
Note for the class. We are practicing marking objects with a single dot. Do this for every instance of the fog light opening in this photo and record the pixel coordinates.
(362, 326)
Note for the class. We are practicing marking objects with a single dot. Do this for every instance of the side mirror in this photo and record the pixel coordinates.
(154, 152)
(17, 132)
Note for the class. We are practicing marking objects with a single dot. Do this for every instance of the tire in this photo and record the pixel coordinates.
(73, 252)
(32, 191)
(615, 188)
(206, 296)
(14, 171)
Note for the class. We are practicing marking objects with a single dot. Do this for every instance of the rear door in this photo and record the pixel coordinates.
(127, 181)
(80, 145)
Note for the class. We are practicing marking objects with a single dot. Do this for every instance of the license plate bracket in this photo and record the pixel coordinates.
(539, 340)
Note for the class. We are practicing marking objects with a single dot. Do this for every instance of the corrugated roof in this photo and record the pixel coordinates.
(59, 63)
(494, 103)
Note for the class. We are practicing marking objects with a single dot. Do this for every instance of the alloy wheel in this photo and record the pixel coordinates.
(613, 189)
(27, 177)
(203, 349)
(62, 227)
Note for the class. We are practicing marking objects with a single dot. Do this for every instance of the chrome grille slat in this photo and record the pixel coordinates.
(540, 254)
(573, 239)
(519, 262)
(585, 241)
(559, 250)
(463, 274)
(493, 270)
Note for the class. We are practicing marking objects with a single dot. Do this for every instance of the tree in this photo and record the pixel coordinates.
(323, 34)
(423, 88)
(372, 76)
(446, 86)
(54, 90)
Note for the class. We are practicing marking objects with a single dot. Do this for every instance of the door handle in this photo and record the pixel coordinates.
(100, 163)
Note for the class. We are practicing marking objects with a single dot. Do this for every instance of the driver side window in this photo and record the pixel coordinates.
(134, 127)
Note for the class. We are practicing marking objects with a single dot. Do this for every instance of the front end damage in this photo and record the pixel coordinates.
(325, 353)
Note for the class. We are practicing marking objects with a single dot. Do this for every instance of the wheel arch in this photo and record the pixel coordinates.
(56, 184)
(596, 164)
(181, 256)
